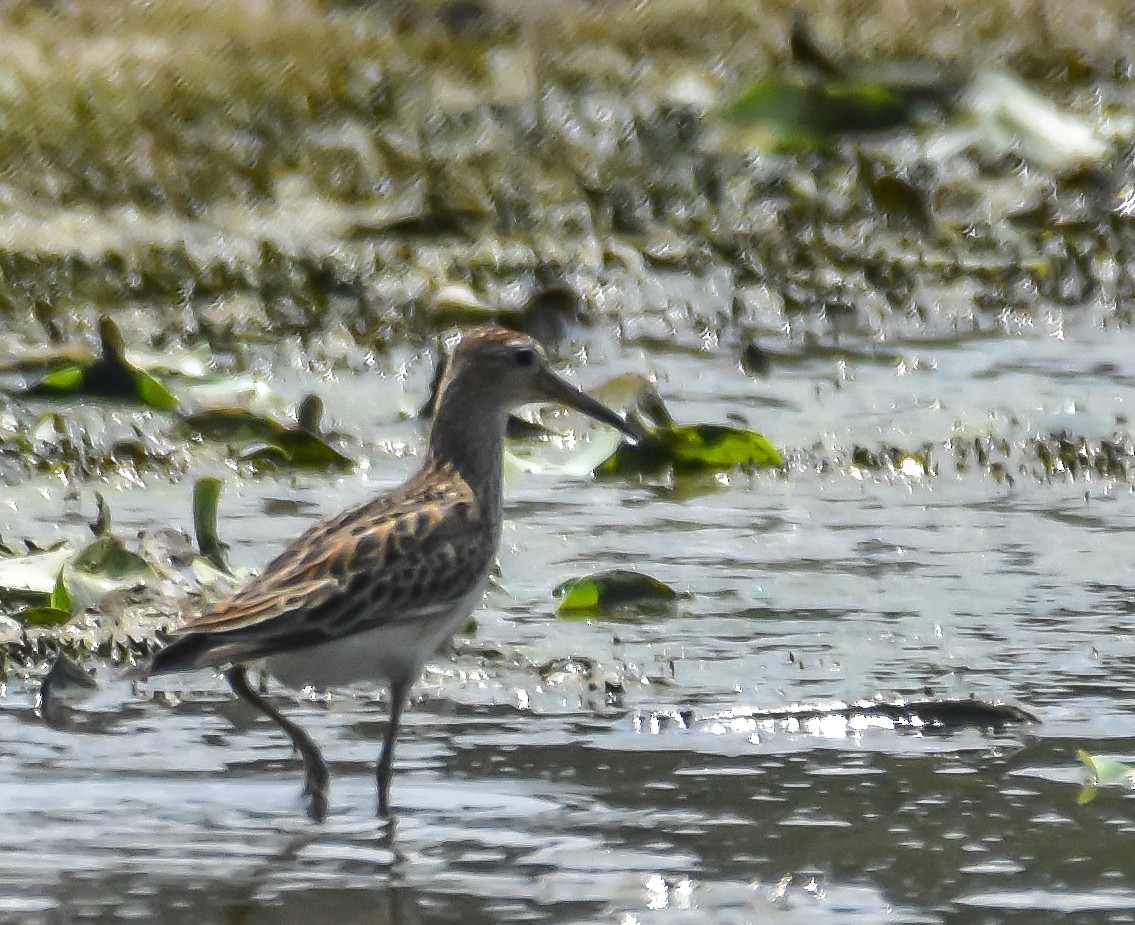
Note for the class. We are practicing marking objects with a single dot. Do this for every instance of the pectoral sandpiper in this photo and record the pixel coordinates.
(370, 593)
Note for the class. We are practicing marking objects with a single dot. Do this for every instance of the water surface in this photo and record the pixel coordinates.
(529, 789)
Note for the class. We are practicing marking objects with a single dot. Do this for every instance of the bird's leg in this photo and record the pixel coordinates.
(399, 690)
(316, 777)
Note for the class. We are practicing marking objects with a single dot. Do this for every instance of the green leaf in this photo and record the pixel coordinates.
(793, 113)
(232, 424)
(206, 494)
(33, 576)
(103, 567)
(294, 449)
(110, 376)
(607, 593)
(60, 598)
(267, 443)
(1106, 771)
(108, 558)
(153, 393)
(693, 448)
(64, 381)
(43, 616)
(56, 612)
(309, 451)
(772, 97)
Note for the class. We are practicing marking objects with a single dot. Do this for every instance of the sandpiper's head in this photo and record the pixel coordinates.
(501, 369)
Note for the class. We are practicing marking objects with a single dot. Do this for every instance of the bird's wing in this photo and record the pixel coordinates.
(398, 558)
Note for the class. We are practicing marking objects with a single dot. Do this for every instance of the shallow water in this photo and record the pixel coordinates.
(526, 792)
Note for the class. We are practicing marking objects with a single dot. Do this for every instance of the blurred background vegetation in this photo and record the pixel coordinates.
(248, 169)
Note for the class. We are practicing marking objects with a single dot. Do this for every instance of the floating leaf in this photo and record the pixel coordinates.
(795, 113)
(608, 592)
(43, 616)
(1106, 771)
(692, 448)
(298, 450)
(104, 567)
(65, 380)
(110, 376)
(206, 493)
(153, 393)
(55, 612)
(32, 576)
(268, 443)
(60, 599)
(579, 460)
(109, 557)
(824, 98)
(232, 424)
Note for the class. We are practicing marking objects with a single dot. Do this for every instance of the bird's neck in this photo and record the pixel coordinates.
(470, 438)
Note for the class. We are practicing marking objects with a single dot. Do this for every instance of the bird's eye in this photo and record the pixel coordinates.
(525, 356)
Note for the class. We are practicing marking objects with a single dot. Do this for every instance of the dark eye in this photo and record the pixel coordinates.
(525, 356)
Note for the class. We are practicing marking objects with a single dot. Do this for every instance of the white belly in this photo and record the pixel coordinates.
(396, 650)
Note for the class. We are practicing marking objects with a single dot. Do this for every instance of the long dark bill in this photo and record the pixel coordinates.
(560, 390)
